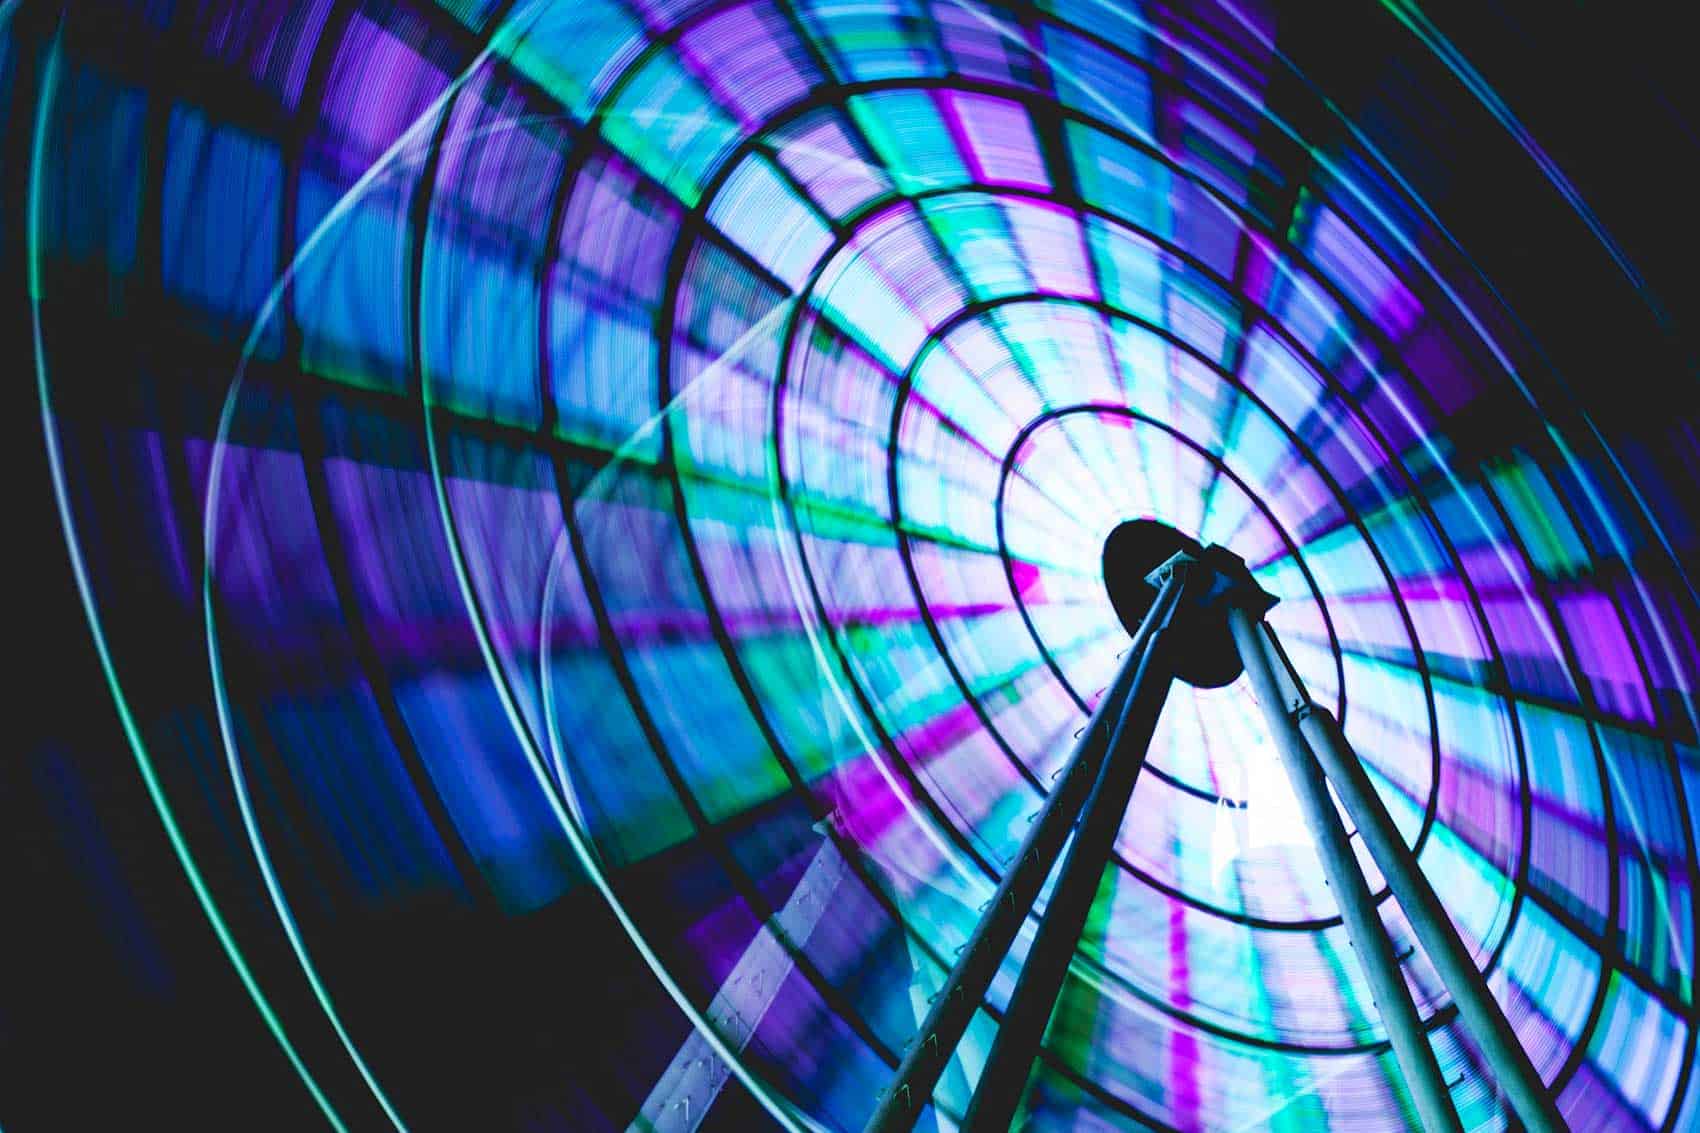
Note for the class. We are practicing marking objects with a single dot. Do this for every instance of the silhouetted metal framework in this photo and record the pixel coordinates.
(570, 462)
(1199, 617)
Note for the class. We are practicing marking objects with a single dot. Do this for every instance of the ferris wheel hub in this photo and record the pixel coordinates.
(1136, 555)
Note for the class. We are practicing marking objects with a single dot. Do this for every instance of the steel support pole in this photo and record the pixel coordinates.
(1435, 931)
(1003, 1081)
(965, 987)
(1364, 929)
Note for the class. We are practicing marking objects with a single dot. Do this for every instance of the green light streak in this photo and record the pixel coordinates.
(85, 591)
(778, 1108)
(267, 312)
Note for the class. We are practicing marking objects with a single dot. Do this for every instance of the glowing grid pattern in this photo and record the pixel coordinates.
(672, 452)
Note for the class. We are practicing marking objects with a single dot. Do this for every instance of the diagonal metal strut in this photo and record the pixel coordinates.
(936, 1041)
(1206, 621)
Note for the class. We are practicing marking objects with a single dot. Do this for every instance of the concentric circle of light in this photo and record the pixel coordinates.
(669, 458)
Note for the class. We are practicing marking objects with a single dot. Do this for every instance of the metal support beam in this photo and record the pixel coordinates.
(1364, 929)
(1223, 624)
(693, 1080)
(965, 987)
(1002, 1083)
(1435, 931)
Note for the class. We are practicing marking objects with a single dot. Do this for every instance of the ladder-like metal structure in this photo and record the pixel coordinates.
(1196, 615)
